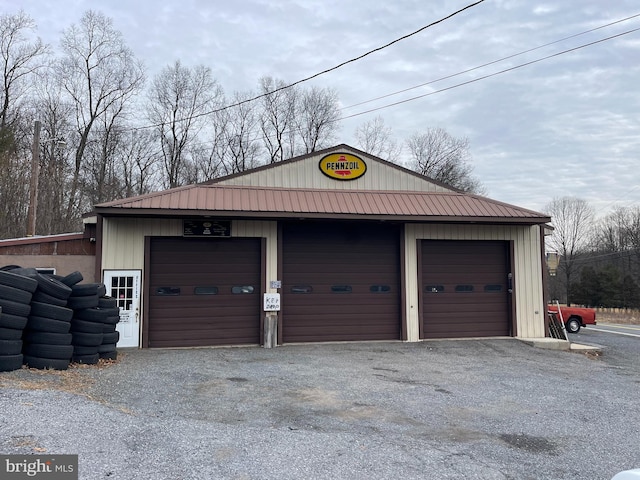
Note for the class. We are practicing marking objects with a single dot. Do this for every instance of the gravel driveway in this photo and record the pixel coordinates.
(485, 409)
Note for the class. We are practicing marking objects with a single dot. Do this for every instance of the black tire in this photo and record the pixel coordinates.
(10, 347)
(48, 338)
(112, 312)
(86, 359)
(10, 333)
(84, 326)
(108, 327)
(51, 311)
(109, 355)
(112, 337)
(44, 363)
(14, 308)
(16, 280)
(112, 320)
(44, 324)
(82, 350)
(9, 363)
(12, 321)
(84, 289)
(573, 325)
(15, 294)
(42, 297)
(25, 272)
(87, 339)
(107, 302)
(106, 347)
(78, 303)
(53, 287)
(9, 267)
(94, 314)
(42, 350)
(73, 278)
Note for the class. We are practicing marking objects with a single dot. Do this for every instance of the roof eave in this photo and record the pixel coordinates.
(141, 212)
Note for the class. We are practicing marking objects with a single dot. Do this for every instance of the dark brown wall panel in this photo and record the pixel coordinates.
(340, 263)
(464, 289)
(180, 267)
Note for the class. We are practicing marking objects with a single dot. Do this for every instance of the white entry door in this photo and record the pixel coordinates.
(124, 285)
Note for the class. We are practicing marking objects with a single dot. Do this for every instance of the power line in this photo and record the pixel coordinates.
(323, 72)
(628, 203)
(492, 62)
(484, 77)
(479, 78)
(491, 74)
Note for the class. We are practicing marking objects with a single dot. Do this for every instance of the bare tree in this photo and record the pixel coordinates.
(55, 160)
(277, 119)
(317, 118)
(572, 219)
(179, 101)
(14, 182)
(617, 240)
(99, 73)
(439, 155)
(139, 163)
(101, 169)
(20, 59)
(20, 55)
(240, 137)
(213, 153)
(376, 138)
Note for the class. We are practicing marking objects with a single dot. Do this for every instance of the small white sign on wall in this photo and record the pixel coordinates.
(271, 302)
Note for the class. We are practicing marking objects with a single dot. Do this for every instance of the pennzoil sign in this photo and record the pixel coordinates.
(342, 166)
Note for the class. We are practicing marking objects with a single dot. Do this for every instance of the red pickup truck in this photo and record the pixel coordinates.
(575, 317)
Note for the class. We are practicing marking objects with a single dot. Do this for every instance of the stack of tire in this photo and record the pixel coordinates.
(15, 298)
(93, 326)
(110, 336)
(46, 338)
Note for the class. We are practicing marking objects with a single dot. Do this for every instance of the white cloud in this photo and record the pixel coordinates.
(570, 120)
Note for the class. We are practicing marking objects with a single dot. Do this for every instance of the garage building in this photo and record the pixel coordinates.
(358, 248)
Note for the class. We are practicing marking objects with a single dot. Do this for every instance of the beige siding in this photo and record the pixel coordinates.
(123, 249)
(306, 174)
(123, 242)
(528, 294)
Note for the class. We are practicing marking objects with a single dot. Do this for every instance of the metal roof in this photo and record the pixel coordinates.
(265, 202)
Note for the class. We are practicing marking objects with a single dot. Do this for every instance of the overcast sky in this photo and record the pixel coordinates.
(565, 126)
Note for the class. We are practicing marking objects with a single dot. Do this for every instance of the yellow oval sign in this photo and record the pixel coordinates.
(343, 166)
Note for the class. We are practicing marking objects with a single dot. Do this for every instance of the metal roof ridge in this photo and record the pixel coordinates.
(331, 190)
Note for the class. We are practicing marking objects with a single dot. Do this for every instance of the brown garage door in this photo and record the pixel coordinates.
(204, 291)
(465, 289)
(341, 282)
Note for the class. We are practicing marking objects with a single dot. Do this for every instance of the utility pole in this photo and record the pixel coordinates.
(33, 184)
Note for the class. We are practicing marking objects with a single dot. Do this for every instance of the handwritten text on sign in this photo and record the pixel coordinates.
(271, 302)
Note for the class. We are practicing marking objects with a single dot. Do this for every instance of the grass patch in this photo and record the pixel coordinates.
(629, 317)
(76, 380)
